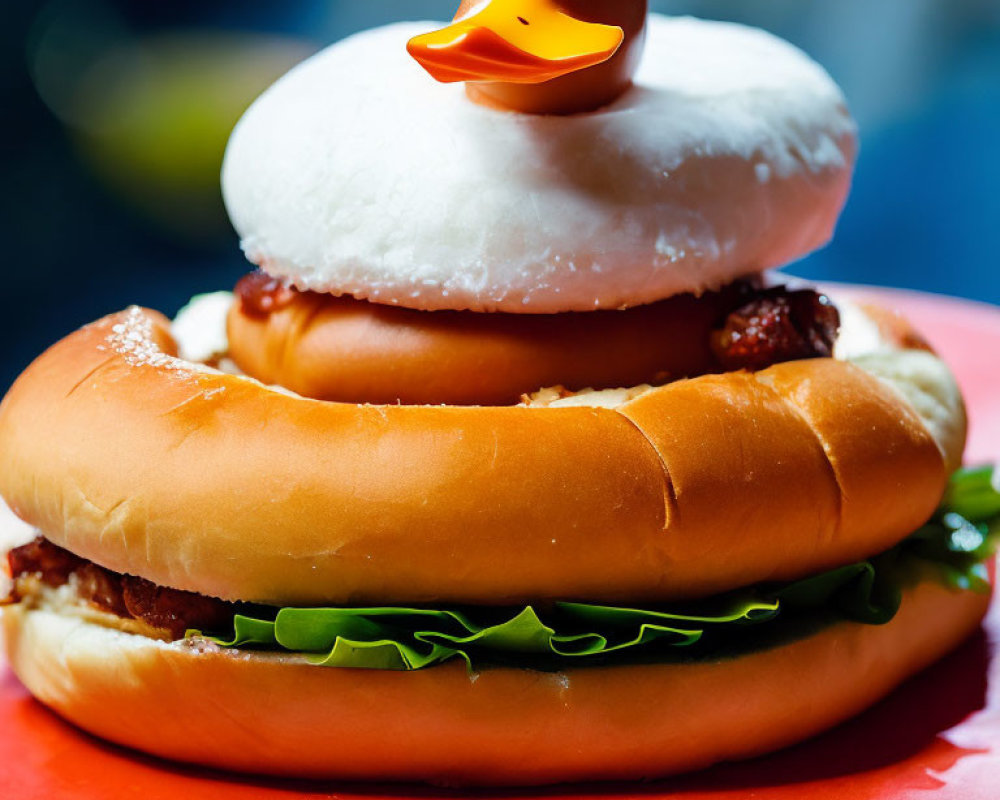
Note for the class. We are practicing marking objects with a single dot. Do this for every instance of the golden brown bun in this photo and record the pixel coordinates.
(338, 348)
(215, 484)
(272, 714)
(896, 328)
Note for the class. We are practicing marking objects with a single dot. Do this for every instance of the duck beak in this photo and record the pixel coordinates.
(514, 41)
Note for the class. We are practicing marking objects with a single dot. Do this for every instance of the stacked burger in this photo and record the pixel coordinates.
(509, 465)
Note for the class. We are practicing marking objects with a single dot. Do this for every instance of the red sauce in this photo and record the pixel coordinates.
(261, 295)
(774, 326)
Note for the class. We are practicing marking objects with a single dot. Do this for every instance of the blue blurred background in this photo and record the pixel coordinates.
(117, 114)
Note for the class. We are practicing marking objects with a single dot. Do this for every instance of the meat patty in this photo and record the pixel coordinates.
(170, 610)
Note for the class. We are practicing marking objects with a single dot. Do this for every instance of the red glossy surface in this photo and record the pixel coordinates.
(936, 737)
(261, 295)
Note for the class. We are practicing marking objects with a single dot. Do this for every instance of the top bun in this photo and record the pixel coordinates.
(357, 174)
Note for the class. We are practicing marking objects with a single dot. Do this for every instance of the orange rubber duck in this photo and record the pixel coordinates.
(539, 56)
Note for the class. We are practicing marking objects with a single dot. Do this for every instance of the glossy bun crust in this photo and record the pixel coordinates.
(338, 348)
(213, 483)
(500, 726)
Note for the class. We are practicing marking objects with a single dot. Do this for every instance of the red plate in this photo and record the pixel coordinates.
(939, 733)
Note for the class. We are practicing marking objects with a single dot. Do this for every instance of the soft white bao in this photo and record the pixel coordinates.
(358, 174)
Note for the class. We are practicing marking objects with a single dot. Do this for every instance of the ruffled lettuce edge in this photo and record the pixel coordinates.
(954, 545)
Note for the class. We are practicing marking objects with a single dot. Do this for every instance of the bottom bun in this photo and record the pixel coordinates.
(261, 713)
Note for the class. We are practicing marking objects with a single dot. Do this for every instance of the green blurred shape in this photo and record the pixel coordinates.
(152, 119)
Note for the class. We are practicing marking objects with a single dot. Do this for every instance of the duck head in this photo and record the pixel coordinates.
(539, 56)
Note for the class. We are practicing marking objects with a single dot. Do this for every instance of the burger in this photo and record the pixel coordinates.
(511, 464)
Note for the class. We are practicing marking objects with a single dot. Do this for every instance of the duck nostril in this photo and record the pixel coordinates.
(523, 21)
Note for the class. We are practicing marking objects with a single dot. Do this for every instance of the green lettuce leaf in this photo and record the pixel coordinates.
(411, 638)
(955, 544)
